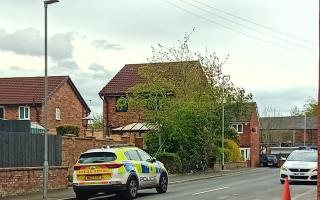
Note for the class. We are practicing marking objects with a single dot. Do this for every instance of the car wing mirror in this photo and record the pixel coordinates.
(282, 158)
(153, 159)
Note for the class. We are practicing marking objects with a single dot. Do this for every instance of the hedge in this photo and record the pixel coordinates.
(68, 130)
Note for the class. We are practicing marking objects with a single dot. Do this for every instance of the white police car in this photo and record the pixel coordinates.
(120, 170)
(301, 165)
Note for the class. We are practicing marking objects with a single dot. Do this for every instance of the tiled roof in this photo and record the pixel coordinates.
(26, 90)
(288, 123)
(128, 76)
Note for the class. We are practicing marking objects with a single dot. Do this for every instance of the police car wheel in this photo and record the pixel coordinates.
(81, 196)
(163, 184)
(131, 190)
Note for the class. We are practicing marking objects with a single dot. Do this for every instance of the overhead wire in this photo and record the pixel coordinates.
(250, 28)
(232, 29)
(255, 23)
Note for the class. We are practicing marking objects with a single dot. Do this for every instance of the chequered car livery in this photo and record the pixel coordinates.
(121, 170)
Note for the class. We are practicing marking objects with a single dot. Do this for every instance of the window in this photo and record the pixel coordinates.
(121, 104)
(58, 114)
(1, 112)
(24, 112)
(97, 157)
(245, 153)
(132, 155)
(238, 127)
(144, 156)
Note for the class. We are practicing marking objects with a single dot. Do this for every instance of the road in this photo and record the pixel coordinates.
(262, 184)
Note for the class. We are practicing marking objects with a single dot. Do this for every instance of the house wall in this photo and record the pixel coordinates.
(64, 98)
(12, 112)
(22, 180)
(255, 140)
(117, 119)
(70, 107)
(251, 139)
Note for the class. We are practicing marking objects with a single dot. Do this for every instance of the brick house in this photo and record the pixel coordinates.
(248, 128)
(22, 98)
(128, 76)
(288, 131)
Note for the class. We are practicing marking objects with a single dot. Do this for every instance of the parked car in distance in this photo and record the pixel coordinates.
(301, 165)
(120, 170)
(269, 161)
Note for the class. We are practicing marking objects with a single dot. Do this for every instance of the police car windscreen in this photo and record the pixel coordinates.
(97, 157)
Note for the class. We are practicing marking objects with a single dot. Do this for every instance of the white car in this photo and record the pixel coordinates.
(301, 165)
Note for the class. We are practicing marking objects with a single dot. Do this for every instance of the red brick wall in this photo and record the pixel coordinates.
(251, 139)
(118, 119)
(64, 98)
(15, 181)
(70, 106)
(72, 147)
(255, 140)
(12, 112)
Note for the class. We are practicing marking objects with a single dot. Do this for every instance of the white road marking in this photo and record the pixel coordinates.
(216, 189)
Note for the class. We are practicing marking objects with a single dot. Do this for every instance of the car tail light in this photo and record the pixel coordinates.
(76, 167)
(114, 165)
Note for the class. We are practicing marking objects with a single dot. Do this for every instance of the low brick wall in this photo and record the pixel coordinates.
(15, 181)
(217, 166)
(72, 147)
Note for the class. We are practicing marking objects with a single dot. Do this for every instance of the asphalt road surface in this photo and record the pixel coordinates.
(262, 184)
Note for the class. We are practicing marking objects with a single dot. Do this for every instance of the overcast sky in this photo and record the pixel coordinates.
(272, 45)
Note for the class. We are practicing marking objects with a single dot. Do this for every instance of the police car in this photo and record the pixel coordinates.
(301, 165)
(119, 170)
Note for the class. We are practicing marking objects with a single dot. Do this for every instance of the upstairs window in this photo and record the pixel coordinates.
(121, 104)
(24, 113)
(238, 127)
(1, 112)
(58, 114)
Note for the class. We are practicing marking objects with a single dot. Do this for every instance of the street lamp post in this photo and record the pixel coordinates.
(222, 166)
(45, 163)
(225, 79)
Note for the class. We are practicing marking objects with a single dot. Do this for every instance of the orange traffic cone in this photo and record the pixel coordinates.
(286, 190)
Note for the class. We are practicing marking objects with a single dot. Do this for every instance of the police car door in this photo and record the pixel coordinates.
(148, 169)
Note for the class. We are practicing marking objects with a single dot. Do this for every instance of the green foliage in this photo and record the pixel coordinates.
(122, 104)
(68, 130)
(232, 152)
(310, 108)
(172, 161)
(186, 99)
(97, 122)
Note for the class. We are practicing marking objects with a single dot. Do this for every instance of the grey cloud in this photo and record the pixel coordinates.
(60, 46)
(103, 44)
(64, 66)
(29, 42)
(26, 42)
(99, 72)
(16, 68)
(279, 99)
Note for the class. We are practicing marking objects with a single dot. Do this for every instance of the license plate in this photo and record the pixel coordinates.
(299, 174)
(93, 178)
(270, 163)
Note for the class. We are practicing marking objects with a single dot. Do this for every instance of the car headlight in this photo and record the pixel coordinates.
(316, 169)
(284, 168)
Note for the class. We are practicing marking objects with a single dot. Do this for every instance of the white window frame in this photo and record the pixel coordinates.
(4, 112)
(24, 117)
(237, 129)
(245, 154)
(58, 114)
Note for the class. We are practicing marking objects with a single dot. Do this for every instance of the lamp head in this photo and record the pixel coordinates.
(46, 2)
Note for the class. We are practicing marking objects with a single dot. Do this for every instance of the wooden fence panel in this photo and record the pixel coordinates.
(27, 150)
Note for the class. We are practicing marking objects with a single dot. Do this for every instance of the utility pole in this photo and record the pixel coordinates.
(305, 129)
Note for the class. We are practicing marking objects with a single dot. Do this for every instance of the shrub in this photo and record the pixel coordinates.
(232, 151)
(68, 130)
(171, 161)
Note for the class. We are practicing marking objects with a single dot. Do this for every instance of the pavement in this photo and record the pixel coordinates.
(66, 194)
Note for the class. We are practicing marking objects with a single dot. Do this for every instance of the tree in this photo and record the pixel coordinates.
(295, 111)
(310, 107)
(97, 122)
(183, 100)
